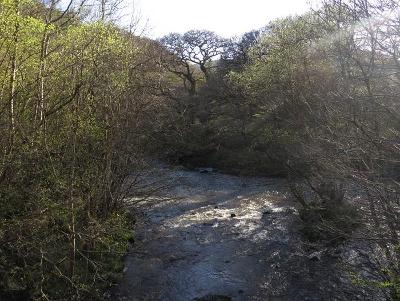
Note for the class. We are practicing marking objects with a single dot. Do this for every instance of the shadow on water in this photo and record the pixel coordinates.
(221, 237)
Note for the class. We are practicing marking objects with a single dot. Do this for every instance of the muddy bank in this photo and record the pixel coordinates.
(234, 238)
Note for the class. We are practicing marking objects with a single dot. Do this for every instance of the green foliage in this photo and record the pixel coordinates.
(389, 283)
(314, 97)
(36, 231)
(76, 101)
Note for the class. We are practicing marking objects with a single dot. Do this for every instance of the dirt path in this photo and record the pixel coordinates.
(225, 236)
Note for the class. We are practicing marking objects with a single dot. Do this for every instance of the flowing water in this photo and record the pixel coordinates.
(211, 236)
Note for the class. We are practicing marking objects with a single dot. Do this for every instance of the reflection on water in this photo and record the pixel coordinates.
(211, 234)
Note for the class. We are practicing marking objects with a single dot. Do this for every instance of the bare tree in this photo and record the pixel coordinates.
(195, 48)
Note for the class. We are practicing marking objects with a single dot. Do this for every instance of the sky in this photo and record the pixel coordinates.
(225, 17)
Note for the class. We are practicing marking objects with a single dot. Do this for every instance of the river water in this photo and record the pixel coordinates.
(211, 236)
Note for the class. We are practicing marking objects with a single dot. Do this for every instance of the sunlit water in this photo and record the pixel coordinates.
(211, 234)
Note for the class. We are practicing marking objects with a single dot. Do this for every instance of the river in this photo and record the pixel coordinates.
(212, 236)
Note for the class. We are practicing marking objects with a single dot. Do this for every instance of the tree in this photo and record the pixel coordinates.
(94, 88)
(193, 49)
(324, 87)
(237, 50)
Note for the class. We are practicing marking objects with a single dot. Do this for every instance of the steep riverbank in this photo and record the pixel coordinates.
(234, 238)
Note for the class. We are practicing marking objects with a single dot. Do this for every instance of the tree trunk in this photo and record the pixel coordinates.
(13, 81)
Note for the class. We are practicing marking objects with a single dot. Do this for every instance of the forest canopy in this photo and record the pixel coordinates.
(85, 103)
